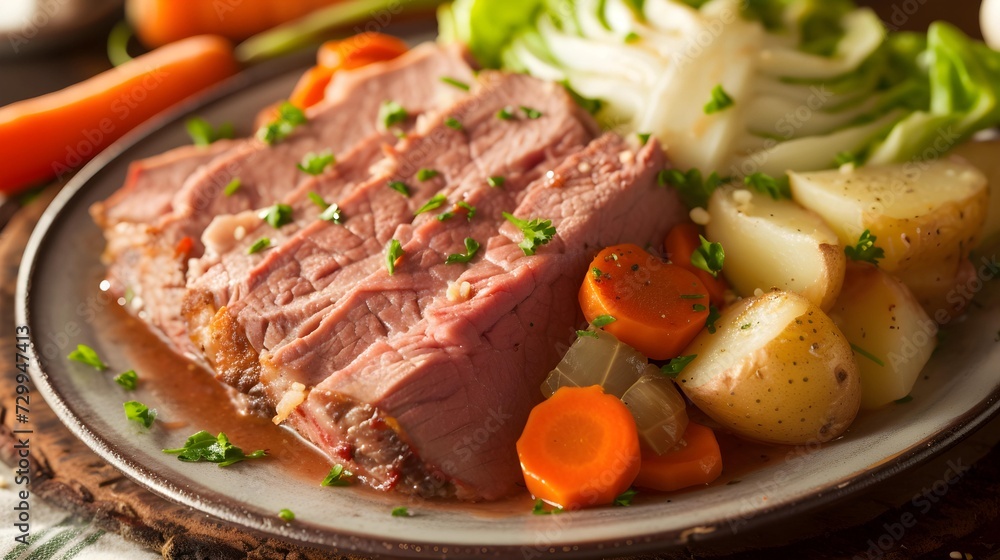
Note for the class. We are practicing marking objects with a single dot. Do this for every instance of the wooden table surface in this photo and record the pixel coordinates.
(889, 520)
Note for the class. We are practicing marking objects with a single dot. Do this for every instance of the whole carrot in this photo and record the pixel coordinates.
(44, 137)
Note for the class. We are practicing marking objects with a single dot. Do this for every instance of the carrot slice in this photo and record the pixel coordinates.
(681, 243)
(580, 448)
(311, 87)
(658, 308)
(695, 460)
(358, 50)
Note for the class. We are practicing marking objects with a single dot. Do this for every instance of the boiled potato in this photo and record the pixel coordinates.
(775, 244)
(985, 156)
(926, 216)
(776, 370)
(892, 335)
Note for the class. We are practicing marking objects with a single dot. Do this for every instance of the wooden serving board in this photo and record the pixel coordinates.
(926, 512)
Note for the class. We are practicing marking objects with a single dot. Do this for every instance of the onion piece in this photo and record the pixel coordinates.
(659, 410)
(604, 361)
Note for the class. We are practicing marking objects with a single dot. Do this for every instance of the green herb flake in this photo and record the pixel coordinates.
(692, 296)
(643, 138)
(713, 316)
(427, 174)
(603, 320)
(202, 133)
(434, 203)
(332, 213)
(393, 252)
(709, 257)
(540, 509)
(588, 334)
(401, 511)
(675, 366)
(289, 117)
(745, 326)
(862, 352)
(625, 498)
(765, 184)
(531, 113)
(698, 307)
(391, 113)
(314, 164)
(470, 210)
(127, 379)
(86, 355)
(140, 413)
(471, 247)
(400, 187)
(338, 476)
(233, 186)
(865, 250)
(259, 245)
(719, 102)
(453, 123)
(692, 188)
(597, 273)
(443, 216)
(632, 37)
(536, 232)
(457, 83)
(286, 515)
(317, 200)
(278, 215)
(203, 446)
(505, 114)
(495, 182)
(904, 400)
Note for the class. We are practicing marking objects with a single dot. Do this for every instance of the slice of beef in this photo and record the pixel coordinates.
(150, 260)
(301, 285)
(450, 394)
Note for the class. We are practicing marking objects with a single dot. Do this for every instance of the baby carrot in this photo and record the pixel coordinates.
(682, 241)
(654, 307)
(694, 460)
(579, 448)
(354, 52)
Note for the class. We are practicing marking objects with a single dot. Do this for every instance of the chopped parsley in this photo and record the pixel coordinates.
(865, 250)
(140, 413)
(202, 133)
(719, 102)
(278, 215)
(693, 190)
(602, 320)
(496, 181)
(392, 254)
(536, 232)
(314, 164)
(531, 113)
(625, 498)
(471, 247)
(505, 114)
(675, 366)
(470, 210)
(86, 355)
(434, 203)
(765, 184)
(317, 200)
(539, 509)
(862, 352)
(259, 245)
(286, 514)
(698, 308)
(232, 186)
(643, 138)
(338, 476)
(457, 83)
(127, 379)
(632, 37)
(400, 187)
(401, 511)
(289, 117)
(709, 257)
(589, 334)
(332, 213)
(391, 113)
(713, 316)
(203, 446)
(598, 273)
(427, 174)
(452, 122)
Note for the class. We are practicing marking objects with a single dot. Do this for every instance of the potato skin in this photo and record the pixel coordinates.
(798, 387)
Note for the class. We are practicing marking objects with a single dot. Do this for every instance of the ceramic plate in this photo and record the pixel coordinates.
(58, 287)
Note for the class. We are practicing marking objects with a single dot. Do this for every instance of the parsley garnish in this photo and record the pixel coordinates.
(452, 122)
(471, 246)
(314, 164)
(531, 113)
(632, 37)
(865, 250)
(643, 138)
(539, 509)
(317, 200)
(203, 446)
(278, 215)
(709, 257)
(590, 334)
(505, 114)
(765, 184)
(86, 355)
(862, 352)
(138, 412)
(602, 320)
(259, 245)
(720, 100)
(698, 308)
(713, 316)
(400, 511)
(675, 366)
(127, 379)
(453, 82)
(427, 174)
(400, 187)
(536, 232)
(286, 514)
(332, 213)
(338, 476)
(597, 273)
(434, 203)
(289, 117)
(694, 191)
(391, 113)
(625, 498)
(470, 210)
(496, 181)
(203, 134)
(232, 186)
(392, 253)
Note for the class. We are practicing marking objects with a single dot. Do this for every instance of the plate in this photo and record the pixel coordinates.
(59, 299)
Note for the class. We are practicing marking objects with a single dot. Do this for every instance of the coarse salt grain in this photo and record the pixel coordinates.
(584, 167)
(459, 292)
(239, 233)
